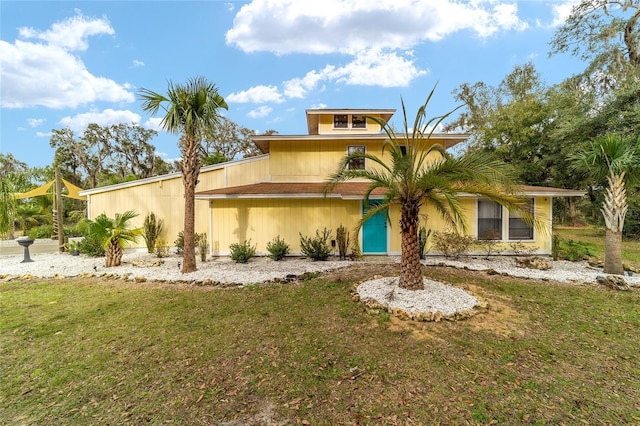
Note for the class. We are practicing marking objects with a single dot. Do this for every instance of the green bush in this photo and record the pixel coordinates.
(277, 248)
(42, 231)
(179, 243)
(423, 237)
(203, 245)
(452, 244)
(199, 241)
(91, 245)
(555, 246)
(342, 237)
(152, 229)
(574, 250)
(241, 253)
(161, 249)
(316, 248)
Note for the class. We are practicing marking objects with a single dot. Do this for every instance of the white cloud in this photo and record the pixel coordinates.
(348, 26)
(561, 11)
(104, 118)
(47, 74)
(70, 34)
(43, 134)
(260, 112)
(256, 94)
(371, 67)
(137, 64)
(35, 122)
(154, 123)
(318, 106)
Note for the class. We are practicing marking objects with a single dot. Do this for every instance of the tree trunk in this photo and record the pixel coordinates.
(411, 268)
(573, 214)
(113, 254)
(614, 211)
(613, 252)
(190, 171)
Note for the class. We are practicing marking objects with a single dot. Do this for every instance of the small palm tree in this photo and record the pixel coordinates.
(420, 173)
(114, 234)
(190, 109)
(616, 159)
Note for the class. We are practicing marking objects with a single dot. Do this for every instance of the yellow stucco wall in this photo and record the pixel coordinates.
(262, 220)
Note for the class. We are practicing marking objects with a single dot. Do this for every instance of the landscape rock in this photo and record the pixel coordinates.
(533, 262)
(614, 282)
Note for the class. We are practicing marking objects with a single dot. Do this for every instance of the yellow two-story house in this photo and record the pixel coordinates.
(281, 193)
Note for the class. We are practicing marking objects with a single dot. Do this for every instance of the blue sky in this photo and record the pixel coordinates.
(67, 64)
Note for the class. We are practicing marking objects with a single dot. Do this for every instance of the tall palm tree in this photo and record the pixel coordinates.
(189, 110)
(114, 234)
(616, 159)
(419, 173)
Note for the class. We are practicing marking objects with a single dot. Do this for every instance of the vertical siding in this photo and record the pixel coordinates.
(262, 220)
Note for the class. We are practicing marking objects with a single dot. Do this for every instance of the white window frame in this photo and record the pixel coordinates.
(505, 223)
(364, 121)
(349, 122)
(364, 160)
(516, 216)
(346, 122)
(500, 228)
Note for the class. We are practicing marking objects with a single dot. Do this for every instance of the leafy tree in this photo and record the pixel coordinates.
(616, 159)
(605, 33)
(132, 154)
(114, 234)
(423, 173)
(227, 140)
(8, 204)
(190, 109)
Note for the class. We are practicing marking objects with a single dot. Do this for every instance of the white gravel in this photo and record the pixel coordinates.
(435, 297)
(216, 270)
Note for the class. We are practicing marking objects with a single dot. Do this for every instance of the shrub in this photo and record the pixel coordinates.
(277, 248)
(423, 237)
(241, 253)
(574, 250)
(555, 246)
(42, 231)
(91, 245)
(162, 249)
(203, 245)
(179, 243)
(316, 248)
(342, 237)
(452, 244)
(152, 229)
(520, 249)
(490, 244)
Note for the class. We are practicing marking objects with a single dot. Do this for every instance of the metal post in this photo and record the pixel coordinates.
(58, 205)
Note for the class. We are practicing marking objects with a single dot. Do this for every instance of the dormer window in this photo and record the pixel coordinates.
(358, 122)
(340, 121)
(348, 121)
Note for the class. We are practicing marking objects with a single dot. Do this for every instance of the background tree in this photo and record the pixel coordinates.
(228, 140)
(190, 109)
(616, 160)
(606, 34)
(418, 173)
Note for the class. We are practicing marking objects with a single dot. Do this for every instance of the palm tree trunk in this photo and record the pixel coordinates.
(113, 254)
(614, 211)
(190, 171)
(613, 252)
(411, 268)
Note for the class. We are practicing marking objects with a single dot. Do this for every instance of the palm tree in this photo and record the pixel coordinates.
(190, 109)
(422, 173)
(114, 234)
(8, 205)
(616, 159)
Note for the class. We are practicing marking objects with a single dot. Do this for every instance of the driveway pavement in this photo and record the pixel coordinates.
(11, 247)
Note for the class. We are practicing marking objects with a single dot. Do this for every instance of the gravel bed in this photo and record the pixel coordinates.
(144, 266)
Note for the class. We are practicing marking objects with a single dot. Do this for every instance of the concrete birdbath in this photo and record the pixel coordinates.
(25, 242)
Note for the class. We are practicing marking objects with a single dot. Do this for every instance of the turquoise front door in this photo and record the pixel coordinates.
(374, 233)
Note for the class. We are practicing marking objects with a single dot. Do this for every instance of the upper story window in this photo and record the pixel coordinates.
(356, 163)
(340, 121)
(358, 122)
(348, 121)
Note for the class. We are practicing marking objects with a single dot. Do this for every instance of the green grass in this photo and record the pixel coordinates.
(82, 352)
(594, 238)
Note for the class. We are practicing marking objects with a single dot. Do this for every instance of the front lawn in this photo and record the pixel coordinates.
(594, 238)
(108, 352)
